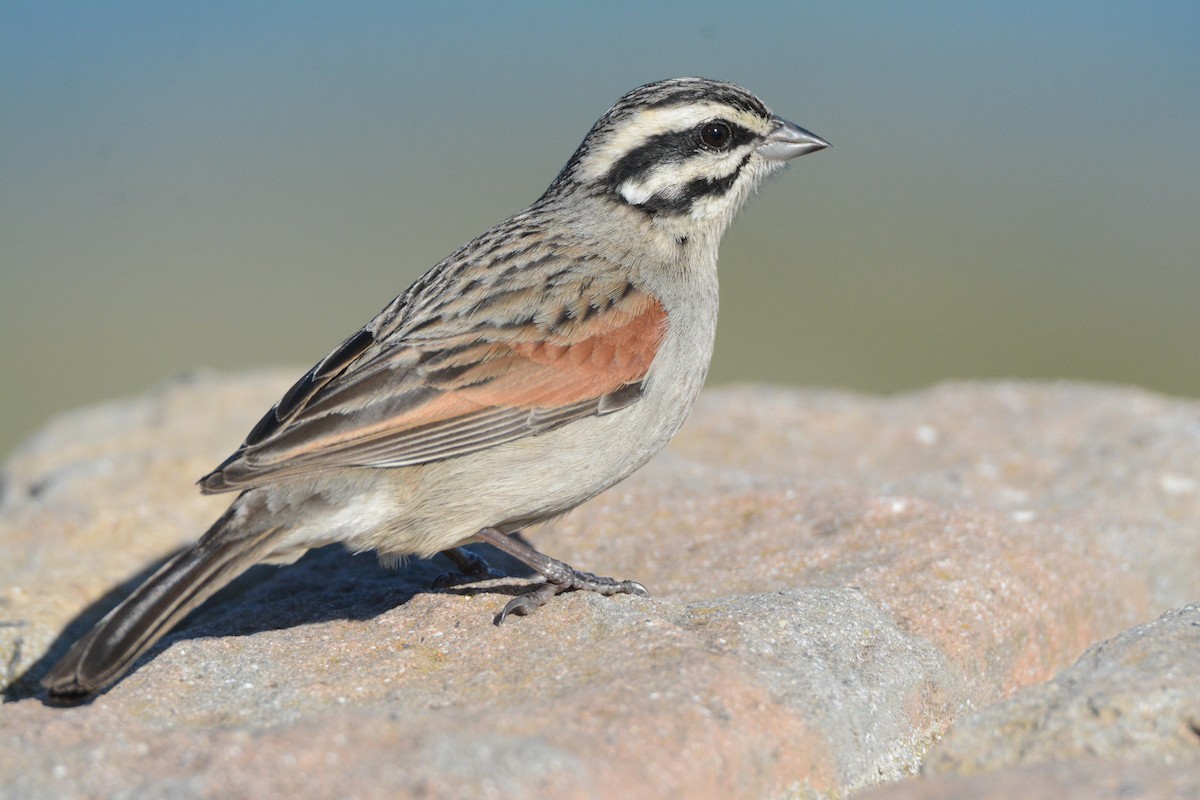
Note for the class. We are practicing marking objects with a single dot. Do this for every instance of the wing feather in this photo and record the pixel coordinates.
(410, 400)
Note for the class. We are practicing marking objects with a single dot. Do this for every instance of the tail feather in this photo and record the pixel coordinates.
(165, 598)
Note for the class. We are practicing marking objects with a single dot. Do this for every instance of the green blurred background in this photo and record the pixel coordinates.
(1014, 188)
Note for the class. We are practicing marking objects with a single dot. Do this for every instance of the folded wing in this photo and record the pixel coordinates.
(411, 398)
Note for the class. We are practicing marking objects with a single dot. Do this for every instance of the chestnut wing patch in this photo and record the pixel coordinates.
(405, 405)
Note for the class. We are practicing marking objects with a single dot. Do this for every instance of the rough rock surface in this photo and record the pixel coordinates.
(836, 580)
(1085, 779)
(1133, 697)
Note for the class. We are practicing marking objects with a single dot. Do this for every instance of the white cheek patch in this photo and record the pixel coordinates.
(635, 193)
(668, 180)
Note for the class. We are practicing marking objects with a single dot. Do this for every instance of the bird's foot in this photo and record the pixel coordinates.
(560, 577)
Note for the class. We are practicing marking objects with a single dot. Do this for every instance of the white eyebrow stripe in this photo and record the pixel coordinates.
(652, 122)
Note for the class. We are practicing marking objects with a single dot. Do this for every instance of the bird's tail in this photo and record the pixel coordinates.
(166, 597)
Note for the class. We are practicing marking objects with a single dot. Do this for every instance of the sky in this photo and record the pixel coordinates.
(1013, 189)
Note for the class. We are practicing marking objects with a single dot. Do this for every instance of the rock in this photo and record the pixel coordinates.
(1083, 779)
(1135, 697)
(836, 579)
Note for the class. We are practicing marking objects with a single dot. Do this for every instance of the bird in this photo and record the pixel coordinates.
(527, 372)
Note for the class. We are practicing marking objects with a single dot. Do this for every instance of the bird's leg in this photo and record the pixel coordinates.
(472, 568)
(560, 577)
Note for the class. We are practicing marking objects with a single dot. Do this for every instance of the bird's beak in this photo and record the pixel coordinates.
(788, 140)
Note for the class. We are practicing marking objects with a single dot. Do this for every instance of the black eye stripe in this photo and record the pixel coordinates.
(672, 147)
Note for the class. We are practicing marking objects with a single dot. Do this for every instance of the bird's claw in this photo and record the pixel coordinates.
(541, 594)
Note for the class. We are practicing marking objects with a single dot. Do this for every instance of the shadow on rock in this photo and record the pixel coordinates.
(325, 584)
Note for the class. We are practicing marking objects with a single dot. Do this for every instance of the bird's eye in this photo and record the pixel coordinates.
(716, 135)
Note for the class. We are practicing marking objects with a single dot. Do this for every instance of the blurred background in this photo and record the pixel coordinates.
(1013, 189)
